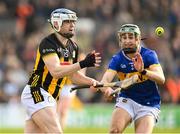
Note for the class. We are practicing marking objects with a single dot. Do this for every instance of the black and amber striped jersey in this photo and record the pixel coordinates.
(40, 76)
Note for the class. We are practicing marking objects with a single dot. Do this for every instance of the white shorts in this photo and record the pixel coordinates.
(42, 99)
(65, 92)
(137, 110)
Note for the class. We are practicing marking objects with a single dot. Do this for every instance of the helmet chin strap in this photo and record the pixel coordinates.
(66, 35)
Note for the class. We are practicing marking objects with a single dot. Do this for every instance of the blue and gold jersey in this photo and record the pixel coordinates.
(145, 92)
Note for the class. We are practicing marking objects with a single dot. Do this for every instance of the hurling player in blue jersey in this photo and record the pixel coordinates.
(141, 102)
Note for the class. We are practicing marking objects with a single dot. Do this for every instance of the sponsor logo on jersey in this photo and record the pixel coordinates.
(124, 100)
(48, 50)
(123, 66)
(59, 50)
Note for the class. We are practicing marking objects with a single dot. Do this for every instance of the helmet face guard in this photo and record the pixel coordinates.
(129, 28)
(59, 15)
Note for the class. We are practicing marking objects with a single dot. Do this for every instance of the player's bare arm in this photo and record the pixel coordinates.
(108, 77)
(154, 72)
(57, 71)
(82, 79)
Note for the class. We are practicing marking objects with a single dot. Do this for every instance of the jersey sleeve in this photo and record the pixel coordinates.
(46, 48)
(113, 64)
(152, 58)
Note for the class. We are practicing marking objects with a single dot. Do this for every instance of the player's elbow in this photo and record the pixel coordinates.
(56, 74)
(161, 81)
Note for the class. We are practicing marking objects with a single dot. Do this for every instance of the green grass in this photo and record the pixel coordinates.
(93, 130)
(11, 130)
(128, 130)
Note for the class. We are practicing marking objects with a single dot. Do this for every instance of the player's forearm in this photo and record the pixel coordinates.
(65, 70)
(155, 76)
(105, 80)
(80, 79)
(108, 77)
(59, 71)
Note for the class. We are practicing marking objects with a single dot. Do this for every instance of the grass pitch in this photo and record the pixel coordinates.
(94, 130)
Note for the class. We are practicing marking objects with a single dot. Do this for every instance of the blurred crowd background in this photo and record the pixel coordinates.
(23, 23)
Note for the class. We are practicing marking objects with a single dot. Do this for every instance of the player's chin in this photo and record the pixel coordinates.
(71, 32)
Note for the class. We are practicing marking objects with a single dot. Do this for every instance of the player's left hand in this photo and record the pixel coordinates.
(138, 62)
